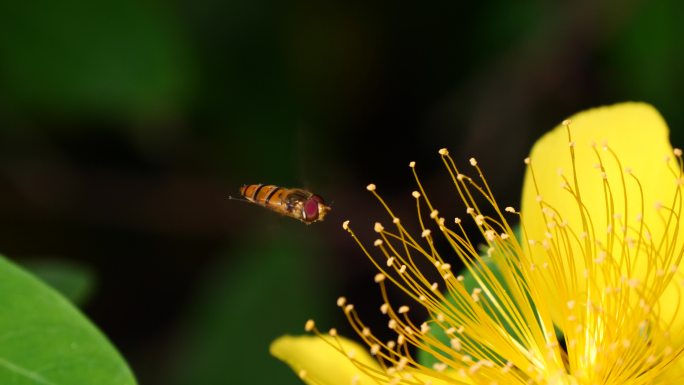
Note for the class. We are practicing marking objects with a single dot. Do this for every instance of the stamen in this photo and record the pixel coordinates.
(579, 274)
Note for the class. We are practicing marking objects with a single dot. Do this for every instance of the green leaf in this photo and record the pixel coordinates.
(44, 340)
(74, 281)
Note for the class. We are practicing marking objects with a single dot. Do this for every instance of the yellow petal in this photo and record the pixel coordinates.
(322, 363)
(674, 374)
(638, 135)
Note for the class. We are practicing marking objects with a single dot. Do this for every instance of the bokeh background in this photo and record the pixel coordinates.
(126, 124)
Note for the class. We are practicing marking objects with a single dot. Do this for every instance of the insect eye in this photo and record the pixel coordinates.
(311, 208)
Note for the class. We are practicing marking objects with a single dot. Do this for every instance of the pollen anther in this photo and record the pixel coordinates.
(310, 325)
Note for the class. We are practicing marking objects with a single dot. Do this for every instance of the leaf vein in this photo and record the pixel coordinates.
(25, 372)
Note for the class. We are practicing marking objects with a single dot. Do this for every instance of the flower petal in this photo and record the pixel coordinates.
(322, 363)
(674, 374)
(609, 143)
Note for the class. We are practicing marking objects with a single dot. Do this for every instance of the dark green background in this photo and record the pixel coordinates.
(125, 125)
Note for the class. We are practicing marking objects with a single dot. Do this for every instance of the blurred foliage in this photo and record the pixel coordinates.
(124, 126)
(644, 61)
(269, 290)
(74, 281)
(120, 58)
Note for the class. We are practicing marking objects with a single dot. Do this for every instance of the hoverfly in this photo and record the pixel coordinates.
(292, 202)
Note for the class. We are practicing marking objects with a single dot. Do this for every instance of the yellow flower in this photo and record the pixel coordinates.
(591, 295)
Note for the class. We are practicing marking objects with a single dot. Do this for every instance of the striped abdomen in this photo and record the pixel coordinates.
(296, 203)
